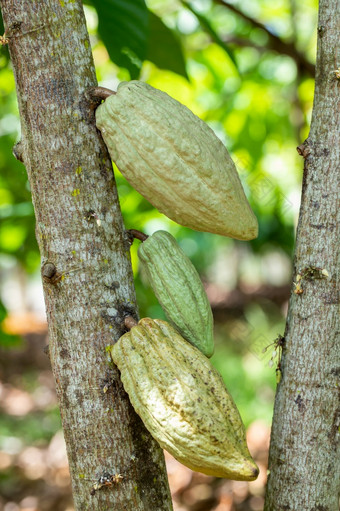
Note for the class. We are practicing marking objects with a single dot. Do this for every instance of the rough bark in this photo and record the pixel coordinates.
(88, 283)
(304, 453)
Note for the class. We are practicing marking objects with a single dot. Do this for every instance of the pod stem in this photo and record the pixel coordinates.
(130, 322)
(100, 92)
(95, 95)
(137, 234)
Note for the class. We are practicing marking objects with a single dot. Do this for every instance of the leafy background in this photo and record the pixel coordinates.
(246, 68)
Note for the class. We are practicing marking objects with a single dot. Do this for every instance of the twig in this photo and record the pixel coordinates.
(275, 42)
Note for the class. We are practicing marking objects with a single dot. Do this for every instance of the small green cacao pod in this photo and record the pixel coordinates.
(175, 161)
(178, 289)
(183, 401)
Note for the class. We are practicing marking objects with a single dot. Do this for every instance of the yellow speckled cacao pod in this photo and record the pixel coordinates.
(183, 401)
(179, 289)
(175, 161)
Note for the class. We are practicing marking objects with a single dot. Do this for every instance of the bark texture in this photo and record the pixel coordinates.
(304, 453)
(88, 283)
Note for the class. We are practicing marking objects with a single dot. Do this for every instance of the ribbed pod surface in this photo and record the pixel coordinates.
(183, 401)
(179, 289)
(175, 161)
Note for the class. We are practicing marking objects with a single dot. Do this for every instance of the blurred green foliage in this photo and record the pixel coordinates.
(34, 428)
(247, 70)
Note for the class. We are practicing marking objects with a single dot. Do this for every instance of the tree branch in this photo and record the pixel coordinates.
(87, 276)
(275, 42)
(304, 459)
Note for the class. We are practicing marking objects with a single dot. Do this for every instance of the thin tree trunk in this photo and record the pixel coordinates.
(88, 283)
(304, 459)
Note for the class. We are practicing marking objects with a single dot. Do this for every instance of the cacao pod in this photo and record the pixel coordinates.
(183, 401)
(175, 161)
(178, 289)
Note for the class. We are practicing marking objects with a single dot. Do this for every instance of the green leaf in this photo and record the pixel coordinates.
(164, 49)
(123, 28)
(3, 312)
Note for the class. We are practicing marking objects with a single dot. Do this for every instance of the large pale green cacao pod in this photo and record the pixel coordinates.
(175, 161)
(183, 401)
(179, 289)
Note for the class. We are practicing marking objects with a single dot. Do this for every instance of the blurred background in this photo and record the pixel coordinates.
(246, 68)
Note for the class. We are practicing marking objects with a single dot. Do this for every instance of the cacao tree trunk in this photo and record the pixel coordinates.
(88, 282)
(304, 459)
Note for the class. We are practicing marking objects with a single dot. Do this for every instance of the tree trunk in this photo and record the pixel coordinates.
(88, 282)
(304, 459)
